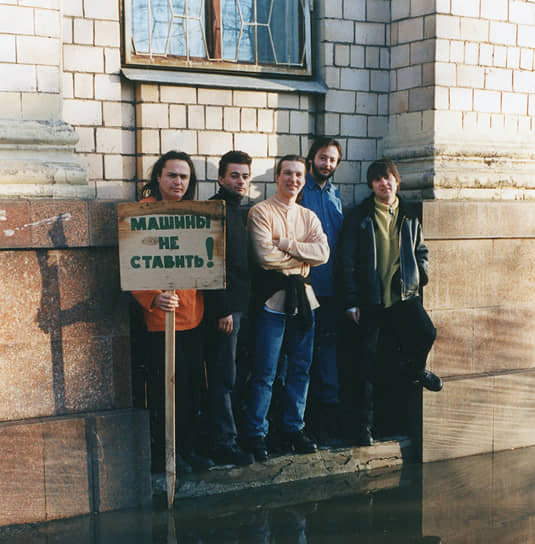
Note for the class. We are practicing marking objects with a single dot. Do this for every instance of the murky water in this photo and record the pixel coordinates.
(488, 499)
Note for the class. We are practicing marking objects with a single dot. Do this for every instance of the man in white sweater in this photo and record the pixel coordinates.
(286, 240)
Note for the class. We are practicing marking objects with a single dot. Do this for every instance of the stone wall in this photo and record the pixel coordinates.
(462, 106)
(446, 87)
(66, 400)
(481, 296)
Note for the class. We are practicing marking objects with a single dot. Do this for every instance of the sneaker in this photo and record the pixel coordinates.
(257, 446)
(299, 442)
(197, 462)
(429, 380)
(231, 455)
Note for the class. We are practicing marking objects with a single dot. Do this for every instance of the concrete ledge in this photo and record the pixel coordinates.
(59, 467)
(286, 469)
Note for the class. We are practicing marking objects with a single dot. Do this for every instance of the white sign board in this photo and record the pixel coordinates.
(172, 245)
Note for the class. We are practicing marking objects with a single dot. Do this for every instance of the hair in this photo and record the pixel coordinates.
(320, 143)
(382, 168)
(235, 157)
(152, 188)
(293, 158)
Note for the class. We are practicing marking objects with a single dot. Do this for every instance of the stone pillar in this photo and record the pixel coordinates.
(36, 146)
(461, 128)
(462, 102)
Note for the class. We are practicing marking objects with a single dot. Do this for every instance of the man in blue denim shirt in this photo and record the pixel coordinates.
(322, 197)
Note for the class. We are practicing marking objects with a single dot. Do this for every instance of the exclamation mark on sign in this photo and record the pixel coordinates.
(210, 251)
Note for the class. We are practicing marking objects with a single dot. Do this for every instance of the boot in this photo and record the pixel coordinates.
(329, 426)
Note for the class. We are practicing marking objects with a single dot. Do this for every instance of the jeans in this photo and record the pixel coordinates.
(271, 330)
(220, 353)
(324, 374)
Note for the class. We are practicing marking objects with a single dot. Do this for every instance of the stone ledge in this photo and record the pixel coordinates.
(67, 466)
(55, 224)
(286, 469)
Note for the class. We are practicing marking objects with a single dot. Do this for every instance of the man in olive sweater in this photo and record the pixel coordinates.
(384, 267)
(224, 309)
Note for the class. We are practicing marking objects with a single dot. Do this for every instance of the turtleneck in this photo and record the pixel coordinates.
(227, 196)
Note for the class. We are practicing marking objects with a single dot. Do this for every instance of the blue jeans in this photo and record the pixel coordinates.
(324, 384)
(271, 330)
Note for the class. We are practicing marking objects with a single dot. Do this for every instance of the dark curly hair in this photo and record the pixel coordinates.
(152, 188)
(234, 157)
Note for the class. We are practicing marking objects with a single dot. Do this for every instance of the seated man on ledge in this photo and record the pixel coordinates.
(383, 267)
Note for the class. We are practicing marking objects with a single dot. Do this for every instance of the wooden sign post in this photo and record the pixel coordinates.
(168, 246)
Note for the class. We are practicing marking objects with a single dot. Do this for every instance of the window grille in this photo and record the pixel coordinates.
(262, 36)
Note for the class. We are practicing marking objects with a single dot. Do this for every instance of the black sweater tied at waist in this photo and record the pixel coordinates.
(296, 303)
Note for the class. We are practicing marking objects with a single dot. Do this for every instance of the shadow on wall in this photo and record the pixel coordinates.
(90, 353)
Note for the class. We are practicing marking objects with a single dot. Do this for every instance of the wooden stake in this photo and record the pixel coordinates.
(170, 439)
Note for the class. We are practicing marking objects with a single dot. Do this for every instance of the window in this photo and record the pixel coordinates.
(261, 36)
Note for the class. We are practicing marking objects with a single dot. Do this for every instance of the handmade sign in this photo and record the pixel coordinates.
(172, 245)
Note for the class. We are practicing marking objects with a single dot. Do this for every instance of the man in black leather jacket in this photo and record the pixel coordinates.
(383, 268)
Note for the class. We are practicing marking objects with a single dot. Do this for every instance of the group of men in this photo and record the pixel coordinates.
(297, 269)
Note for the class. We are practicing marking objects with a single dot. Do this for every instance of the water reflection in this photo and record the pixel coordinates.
(483, 499)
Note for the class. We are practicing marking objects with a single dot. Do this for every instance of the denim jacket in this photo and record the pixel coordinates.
(327, 205)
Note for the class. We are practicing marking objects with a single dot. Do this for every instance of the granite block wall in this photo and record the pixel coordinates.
(480, 296)
(66, 399)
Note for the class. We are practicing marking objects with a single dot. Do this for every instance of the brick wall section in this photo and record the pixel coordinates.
(115, 119)
(485, 67)
(97, 102)
(355, 61)
(30, 43)
(412, 72)
(207, 123)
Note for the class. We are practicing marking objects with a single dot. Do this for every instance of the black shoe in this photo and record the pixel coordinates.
(299, 442)
(198, 462)
(231, 455)
(326, 430)
(364, 437)
(429, 380)
(257, 446)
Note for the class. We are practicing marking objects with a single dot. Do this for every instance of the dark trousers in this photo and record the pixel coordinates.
(408, 326)
(220, 354)
(324, 370)
(188, 383)
(391, 342)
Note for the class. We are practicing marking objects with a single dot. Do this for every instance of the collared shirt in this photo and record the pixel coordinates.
(288, 239)
(327, 204)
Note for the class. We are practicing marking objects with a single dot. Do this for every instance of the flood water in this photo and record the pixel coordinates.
(487, 499)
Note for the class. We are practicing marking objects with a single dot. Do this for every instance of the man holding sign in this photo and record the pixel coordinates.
(173, 178)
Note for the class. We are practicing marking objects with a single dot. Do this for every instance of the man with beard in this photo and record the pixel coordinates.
(321, 196)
